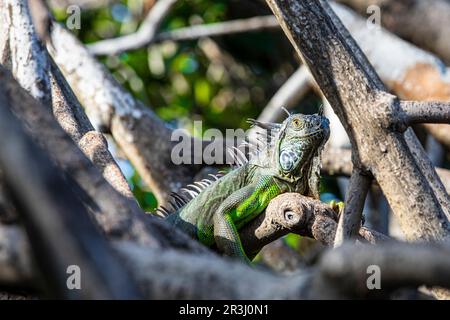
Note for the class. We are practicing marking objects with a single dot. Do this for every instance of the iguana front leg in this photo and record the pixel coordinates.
(226, 235)
(239, 208)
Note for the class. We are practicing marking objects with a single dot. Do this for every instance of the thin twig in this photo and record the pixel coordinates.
(139, 39)
(220, 28)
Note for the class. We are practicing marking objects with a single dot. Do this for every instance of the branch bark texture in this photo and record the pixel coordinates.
(364, 107)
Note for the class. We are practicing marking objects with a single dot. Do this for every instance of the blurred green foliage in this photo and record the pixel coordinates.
(222, 81)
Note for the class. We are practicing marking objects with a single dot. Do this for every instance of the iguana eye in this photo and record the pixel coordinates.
(296, 122)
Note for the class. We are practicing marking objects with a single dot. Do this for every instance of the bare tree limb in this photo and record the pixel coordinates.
(29, 63)
(144, 138)
(83, 4)
(71, 117)
(351, 217)
(219, 29)
(421, 22)
(334, 58)
(391, 71)
(60, 230)
(410, 72)
(5, 56)
(119, 217)
(143, 36)
(294, 213)
(340, 274)
(422, 112)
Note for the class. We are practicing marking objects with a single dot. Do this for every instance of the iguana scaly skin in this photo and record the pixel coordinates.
(288, 162)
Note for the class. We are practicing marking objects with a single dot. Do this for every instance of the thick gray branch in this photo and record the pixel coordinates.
(364, 107)
(408, 71)
(60, 230)
(423, 112)
(28, 56)
(292, 212)
(341, 273)
(421, 22)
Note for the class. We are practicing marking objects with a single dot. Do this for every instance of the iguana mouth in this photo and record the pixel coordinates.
(311, 134)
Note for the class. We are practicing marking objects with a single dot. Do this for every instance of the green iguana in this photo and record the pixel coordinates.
(288, 161)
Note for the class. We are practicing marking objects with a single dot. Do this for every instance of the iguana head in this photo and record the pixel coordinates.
(297, 149)
(301, 136)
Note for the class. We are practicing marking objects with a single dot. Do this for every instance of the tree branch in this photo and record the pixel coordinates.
(219, 29)
(364, 107)
(142, 37)
(351, 217)
(413, 20)
(400, 64)
(422, 112)
(294, 213)
(60, 230)
(29, 63)
(340, 274)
